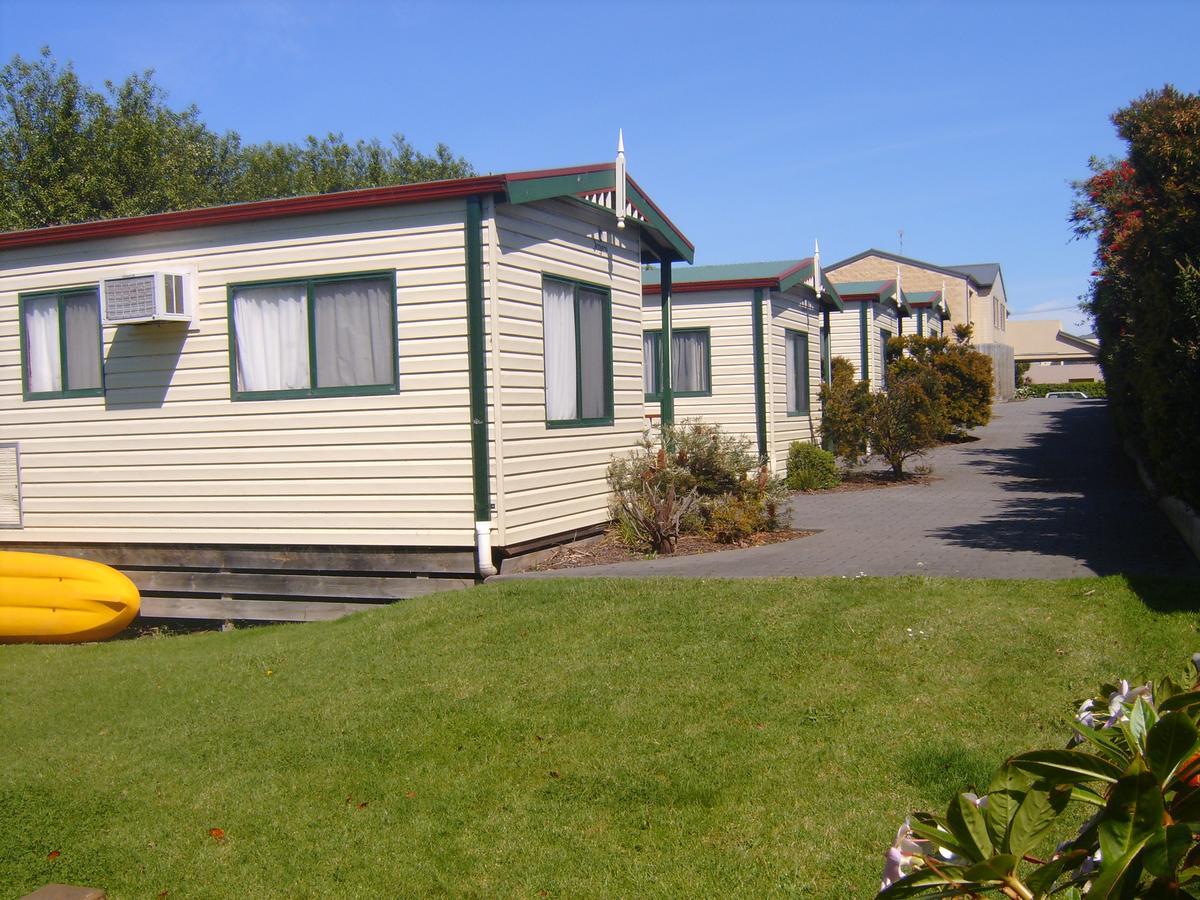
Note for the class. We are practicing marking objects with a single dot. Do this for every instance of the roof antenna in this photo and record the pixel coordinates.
(817, 286)
(901, 241)
(619, 179)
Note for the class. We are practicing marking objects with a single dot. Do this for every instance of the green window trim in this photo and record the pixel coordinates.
(794, 341)
(675, 332)
(606, 317)
(310, 283)
(61, 294)
(884, 337)
(864, 342)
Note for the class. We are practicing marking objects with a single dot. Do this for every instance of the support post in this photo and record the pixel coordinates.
(477, 387)
(760, 375)
(666, 406)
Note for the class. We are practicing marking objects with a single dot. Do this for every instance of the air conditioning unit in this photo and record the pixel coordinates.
(152, 297)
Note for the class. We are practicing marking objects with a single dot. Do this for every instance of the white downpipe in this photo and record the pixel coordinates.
(483, 549)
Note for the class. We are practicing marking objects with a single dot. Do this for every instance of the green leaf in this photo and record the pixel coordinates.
(1166, 688)
(1185, 807)
(1165, 851)
(1037, 812)
(1104, 740)
(1067, 766)
(965, 819)
(992, 870)
(1141, 718)
(1169, 743)
(944, 839)
(1132, 816)
(919, 882)
(1004, 793)
(1180, 702)
(1042, 879)
(1081, 793)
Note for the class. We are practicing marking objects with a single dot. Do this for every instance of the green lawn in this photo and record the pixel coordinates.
(560, 738)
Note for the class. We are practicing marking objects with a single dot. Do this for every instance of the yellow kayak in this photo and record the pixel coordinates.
(59, 600)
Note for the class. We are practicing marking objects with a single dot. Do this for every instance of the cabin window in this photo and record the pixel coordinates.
(691, 363)
(884, 337)
(577, 349)
(329, 336)
(796, 347)
(60, 338)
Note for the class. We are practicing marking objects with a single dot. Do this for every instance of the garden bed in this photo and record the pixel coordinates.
(863, 480)
(610, 549)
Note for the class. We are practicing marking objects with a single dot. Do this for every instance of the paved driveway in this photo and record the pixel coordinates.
(1044, 493)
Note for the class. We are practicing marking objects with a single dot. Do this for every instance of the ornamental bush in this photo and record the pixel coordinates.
(844, 403)
(1130, 773)
(692, 479)
(907, 419)
(809, 468)
(965, 376)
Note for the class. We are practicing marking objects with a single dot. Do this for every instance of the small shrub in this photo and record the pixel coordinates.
(809, 468)
(698, 476)
(965, 376)
(906, 420)
(732, 520)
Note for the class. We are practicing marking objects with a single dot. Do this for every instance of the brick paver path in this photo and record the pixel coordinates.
(1044, 493)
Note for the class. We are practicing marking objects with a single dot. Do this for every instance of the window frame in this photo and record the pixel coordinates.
(806, 408)
(310, 282)
(707, 390)
(61, 294)
(606, 316)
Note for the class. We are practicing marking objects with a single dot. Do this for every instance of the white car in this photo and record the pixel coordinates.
(1066, 395)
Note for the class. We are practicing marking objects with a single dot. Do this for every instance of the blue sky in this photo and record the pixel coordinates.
(756, 126)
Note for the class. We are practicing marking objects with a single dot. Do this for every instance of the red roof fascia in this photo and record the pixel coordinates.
(261, 209)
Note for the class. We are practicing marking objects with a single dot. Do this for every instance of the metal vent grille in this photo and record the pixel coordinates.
(129, 298)
(10, 486)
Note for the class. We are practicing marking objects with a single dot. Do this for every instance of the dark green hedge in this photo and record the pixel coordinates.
(1091, 388)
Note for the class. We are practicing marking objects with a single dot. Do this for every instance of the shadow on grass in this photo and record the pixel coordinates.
(941, 770)
(1074, 494)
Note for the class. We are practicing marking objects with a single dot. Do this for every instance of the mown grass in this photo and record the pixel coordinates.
(552, 738)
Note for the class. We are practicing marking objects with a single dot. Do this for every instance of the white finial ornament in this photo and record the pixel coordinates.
(899, 295)
(619, 180)
(817, 286)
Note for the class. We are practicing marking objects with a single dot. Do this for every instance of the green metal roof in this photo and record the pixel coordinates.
(856, 288)
(728, 272)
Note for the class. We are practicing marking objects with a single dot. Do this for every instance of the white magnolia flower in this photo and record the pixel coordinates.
(1085, 714)
(898, 860)
(1118, 703)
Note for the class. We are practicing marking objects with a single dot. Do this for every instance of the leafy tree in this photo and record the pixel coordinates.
(844, 403)
(907, 419)
(964, 374)
(72, 153)
(1144, 213)
(963, 332)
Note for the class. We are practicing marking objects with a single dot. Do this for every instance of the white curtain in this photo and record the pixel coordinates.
(591, 354)
(354, 333)
(43, 359)
(650, 362)
(558, 340)
(793, 388)
(689, 361)
(83, 341)
(271, 323)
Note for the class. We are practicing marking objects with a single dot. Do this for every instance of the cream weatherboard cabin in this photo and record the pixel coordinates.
(360, 395)
(874, 313)
(748, 349)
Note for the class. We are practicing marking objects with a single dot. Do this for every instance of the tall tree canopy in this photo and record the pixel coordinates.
(1144, 212)
(72, 153)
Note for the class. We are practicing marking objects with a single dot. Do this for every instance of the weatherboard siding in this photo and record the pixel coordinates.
(166, 456)
(795, 310)
(844, 335)
(729, 318)
(554, 479)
